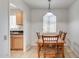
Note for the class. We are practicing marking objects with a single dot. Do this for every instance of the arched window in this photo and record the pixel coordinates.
(49, 23)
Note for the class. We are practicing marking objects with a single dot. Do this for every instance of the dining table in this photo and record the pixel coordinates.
(40, 43)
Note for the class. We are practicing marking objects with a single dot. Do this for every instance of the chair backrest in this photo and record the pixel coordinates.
(63, 36)
(60, 33)
(50, 38)
(38, 35)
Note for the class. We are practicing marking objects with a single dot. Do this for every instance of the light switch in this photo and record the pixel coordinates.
(5, 37)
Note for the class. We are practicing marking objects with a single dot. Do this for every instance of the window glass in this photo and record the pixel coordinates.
(13, 21)
(49, 23)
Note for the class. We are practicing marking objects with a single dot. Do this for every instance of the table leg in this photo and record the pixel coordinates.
(38, 51)
(63, 52)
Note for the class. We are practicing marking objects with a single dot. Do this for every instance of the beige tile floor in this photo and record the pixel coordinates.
(32, 53)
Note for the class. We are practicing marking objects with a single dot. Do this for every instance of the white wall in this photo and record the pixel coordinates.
(4, 28)
(37, 21)
(4, 41)
(26, 10)
(74, 26)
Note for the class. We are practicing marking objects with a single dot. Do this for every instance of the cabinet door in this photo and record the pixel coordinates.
(17, 42)
(19, 17)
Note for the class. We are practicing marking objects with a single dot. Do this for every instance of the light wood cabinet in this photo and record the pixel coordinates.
(19, 17)
(17, 42)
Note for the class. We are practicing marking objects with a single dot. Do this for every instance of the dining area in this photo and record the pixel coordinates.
(51, 45)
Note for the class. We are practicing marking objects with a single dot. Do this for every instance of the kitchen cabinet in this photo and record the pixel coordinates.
(19, 17)
(16, 42)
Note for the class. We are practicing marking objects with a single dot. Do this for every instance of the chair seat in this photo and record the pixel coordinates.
(50, 51)
(51, 56)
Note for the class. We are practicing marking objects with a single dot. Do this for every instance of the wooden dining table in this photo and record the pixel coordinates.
(60, 43)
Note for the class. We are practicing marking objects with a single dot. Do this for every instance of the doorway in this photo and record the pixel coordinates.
(16, 28)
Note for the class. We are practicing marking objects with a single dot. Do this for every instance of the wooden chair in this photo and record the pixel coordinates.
(50, 50)
(39, 36)
(63, 36)
(60, 33)
(60, 48)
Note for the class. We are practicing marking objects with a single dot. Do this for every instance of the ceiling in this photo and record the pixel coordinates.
(54, 3)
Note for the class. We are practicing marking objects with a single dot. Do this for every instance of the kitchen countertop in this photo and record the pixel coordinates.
(16, 32)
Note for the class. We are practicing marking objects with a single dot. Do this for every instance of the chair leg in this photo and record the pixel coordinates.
(38, 54)
(44, 55)
(38, 51)
(63, 56)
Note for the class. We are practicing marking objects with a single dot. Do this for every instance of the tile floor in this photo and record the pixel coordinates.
(32, 53)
